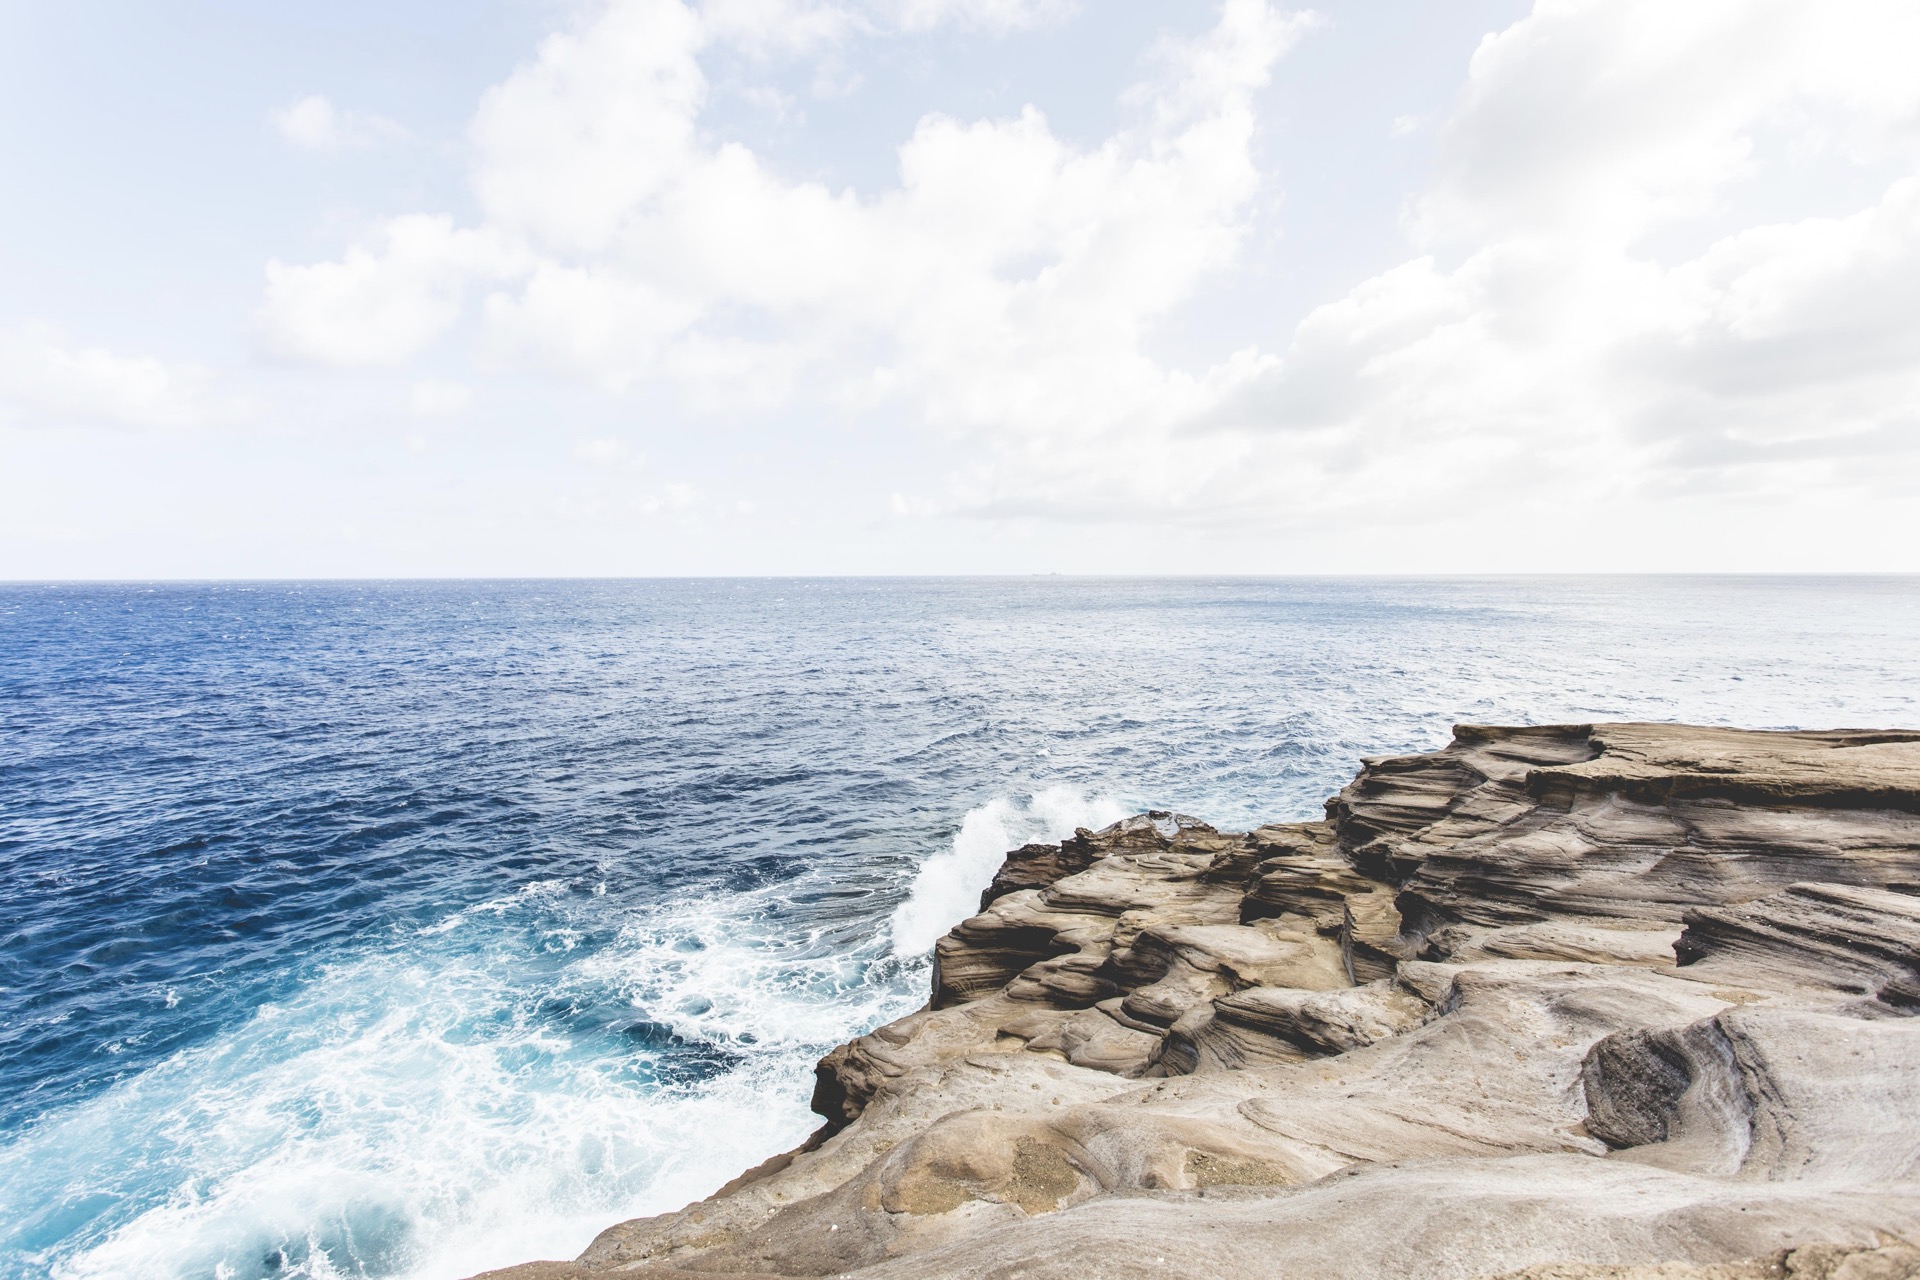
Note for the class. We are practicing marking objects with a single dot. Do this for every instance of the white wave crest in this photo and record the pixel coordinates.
(947, 889)
(434, 1113)
(495, 1088)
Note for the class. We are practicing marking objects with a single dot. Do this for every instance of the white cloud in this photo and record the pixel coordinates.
(772, 27)
(381, 305)
(991, 15)
(680, 497)
(315, 123)
(44, 379)
(1606, 118)
(1561, 362)
(1008, 282)
(601, 121)
(609, 452)
(1534, 352)
(432, 398)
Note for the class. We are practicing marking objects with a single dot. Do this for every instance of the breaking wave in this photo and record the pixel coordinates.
(430, 1110)
(947, 889)
(411, 929)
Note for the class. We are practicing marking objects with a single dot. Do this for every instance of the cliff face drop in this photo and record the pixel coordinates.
(1610, 1000)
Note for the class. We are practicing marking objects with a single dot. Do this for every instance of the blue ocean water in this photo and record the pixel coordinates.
(406, 929)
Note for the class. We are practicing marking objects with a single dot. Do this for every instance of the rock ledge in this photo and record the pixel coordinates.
(1558, 1002)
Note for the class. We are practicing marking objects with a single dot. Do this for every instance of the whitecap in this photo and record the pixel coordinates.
(424, 1112)
(948, 887)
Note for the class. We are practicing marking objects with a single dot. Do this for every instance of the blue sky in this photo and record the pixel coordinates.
(820, 286)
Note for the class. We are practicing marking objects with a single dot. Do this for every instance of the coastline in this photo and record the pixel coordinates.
(1590, 996)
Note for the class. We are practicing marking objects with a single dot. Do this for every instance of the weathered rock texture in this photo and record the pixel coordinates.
(1576, 1001)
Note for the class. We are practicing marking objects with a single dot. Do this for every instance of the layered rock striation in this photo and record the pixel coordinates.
(1622, 1000)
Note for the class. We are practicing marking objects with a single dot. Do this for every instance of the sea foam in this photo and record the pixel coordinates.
(409, 929)
(432, 1111)
(947, 889)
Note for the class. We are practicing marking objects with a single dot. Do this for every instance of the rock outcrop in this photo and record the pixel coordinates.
(1574, 1001)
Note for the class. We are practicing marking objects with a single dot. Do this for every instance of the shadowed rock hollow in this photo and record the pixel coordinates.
(1570, 1001)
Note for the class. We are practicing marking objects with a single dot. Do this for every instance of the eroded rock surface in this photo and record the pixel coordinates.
(1567, 1001)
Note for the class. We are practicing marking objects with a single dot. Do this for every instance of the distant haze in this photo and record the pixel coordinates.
(637, 287)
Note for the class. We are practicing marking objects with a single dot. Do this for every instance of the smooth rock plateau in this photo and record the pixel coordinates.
(1628, 1000)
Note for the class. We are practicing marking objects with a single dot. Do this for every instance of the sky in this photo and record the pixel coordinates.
(651, 287)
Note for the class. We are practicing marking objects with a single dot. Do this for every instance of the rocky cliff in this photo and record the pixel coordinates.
(1601, 1000)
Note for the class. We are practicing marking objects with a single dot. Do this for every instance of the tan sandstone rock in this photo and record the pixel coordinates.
(1567, 1001)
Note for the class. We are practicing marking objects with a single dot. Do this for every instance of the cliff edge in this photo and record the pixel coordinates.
(1625, 1000)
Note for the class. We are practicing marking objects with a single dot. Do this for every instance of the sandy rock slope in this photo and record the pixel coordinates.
(1625, 1000)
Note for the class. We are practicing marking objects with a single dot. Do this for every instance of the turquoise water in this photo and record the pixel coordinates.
(405, 929)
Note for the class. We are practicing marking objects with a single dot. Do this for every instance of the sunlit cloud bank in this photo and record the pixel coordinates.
(1552, 333)
(1650, 276)
(1008, 291)
(1007, 285)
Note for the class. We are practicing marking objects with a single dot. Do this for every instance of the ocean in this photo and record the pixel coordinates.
(404, 929)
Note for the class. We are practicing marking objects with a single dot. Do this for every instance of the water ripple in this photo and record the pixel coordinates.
(404, 928)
